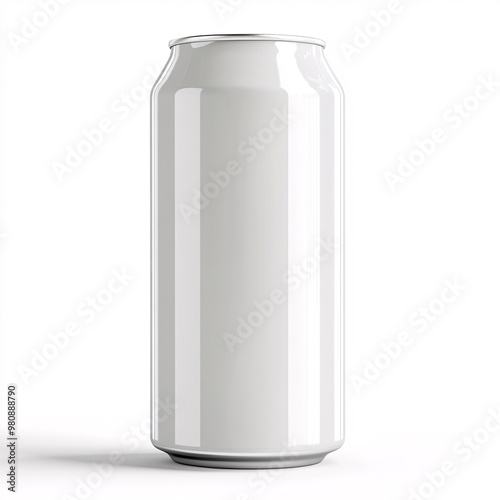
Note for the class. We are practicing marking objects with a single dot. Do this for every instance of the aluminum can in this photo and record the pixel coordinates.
(247, 253)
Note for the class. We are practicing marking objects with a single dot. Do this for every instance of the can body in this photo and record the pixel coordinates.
(247, 253)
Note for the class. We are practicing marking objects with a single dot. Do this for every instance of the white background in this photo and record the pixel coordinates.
(62, 240)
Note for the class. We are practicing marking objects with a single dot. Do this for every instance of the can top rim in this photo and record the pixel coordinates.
(247, 37)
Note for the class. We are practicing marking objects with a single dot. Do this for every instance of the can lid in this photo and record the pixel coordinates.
(249, 37)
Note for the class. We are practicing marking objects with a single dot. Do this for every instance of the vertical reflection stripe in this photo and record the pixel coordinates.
(338, 294)
(187, 270)
(313, 281)
(304, 299)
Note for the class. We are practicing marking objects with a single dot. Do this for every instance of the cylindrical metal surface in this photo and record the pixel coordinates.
(247, 253)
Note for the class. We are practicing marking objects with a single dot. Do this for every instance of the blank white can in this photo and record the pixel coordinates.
(247, 253)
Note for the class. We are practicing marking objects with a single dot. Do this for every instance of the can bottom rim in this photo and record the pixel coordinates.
(277, 460)
(217, 462)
